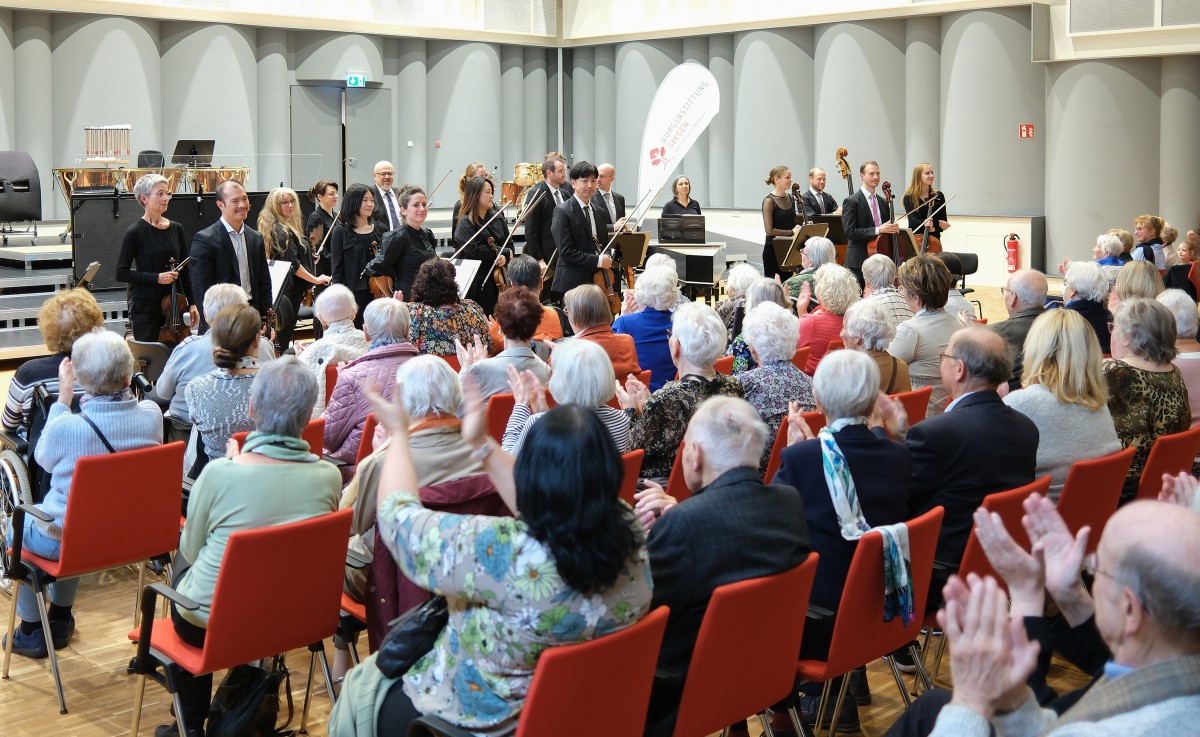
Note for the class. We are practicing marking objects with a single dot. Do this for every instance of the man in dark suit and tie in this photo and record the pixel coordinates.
(539, 243)
(816, 200)
(387, 204)
(231, 252)
(580, 227)
(863, 218)
(613, 201)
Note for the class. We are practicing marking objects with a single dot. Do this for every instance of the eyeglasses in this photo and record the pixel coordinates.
(942, 356)
(1005, 291)
(1091, 566)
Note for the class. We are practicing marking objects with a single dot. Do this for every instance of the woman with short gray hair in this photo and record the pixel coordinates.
(1187, 357)
(737, 282)
(817, 252)
(1085, 290)
(1146, 393)
(152, 249)
(340, 341)
(836, 289)
(658, 290)
(763, 290)
(866, 328)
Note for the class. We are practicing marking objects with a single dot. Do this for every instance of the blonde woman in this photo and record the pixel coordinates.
(926, 207)
(1065, 395)
(282, 230)
(836, 290)
(1147, 229)
(474, 169)
(1135, 279)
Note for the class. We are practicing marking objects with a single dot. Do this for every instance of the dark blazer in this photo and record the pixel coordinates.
(380, 217)
(1098, 317)
(618, 204)
(859, 226)
(810, 202)
(401, 253)
(214, 262)
(980, 447)
(1014, 330)
(733, 529)
(539, 241)
(577, 254)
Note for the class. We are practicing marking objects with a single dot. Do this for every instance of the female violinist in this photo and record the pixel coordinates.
(354, 242)
(922, 202)
(474, 169)
(410, 245)
(280, 225)
(150, 251)
(324, 194)
(477, 209)
(779, 217)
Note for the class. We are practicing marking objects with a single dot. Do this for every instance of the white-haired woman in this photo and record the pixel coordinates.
(879, 273)
(110, 420)
(1187, 356)
(583, 375)
(761, 291)
(1085, 290)
(836, 290)
(776, 383)
(866, 328)
(697, 339)
(657, 290)
(340, 342)
(631, 305)
(817, 252)
(148, 248)
(739, 280)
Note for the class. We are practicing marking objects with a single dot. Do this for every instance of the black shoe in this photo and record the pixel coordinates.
(30, 644)
(848, 722)
(61, 631)
(172, 730)
(859, 688)
(904, 659)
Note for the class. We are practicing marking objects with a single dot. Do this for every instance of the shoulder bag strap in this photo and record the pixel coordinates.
(892, 380)
(99, 434)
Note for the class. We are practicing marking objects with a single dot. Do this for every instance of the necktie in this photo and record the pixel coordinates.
(874, 208)
(612, 206)
(239, 249)
(557, 197)
(820, 202)
(587, 209)
(389, 200)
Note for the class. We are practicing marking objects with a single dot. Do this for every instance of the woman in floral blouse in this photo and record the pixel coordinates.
(762, 290)
(573, 567)
(438, 315)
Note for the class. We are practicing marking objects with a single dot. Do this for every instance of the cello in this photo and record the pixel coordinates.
(885, 243)
(174, 306)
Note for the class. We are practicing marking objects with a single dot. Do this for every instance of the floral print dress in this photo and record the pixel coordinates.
(507, 604)
(434, 329)
(660, 427)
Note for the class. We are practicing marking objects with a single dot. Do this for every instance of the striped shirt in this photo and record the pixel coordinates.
(29, 376)
(521, 419)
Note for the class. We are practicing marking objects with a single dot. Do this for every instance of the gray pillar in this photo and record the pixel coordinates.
(583, 105)
(605, 83)
(411, 109)
(512, 109)
(35, 118)
(923, 91)
(8, 123)
(695, 164)
(537, 134)
(720, 130)
(1179, 145)
(272, 165)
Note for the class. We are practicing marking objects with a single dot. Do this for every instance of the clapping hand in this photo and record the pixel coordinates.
(629, 303)
(651, 502)
(1180, 490)
(471, 354)
(527, 390)
(390, 414)
(474, 423)
(633, 395)
(1064, 265)
(889, 413)
(798, 428)
(1024, 573)
(66, 382)
(1062, 554)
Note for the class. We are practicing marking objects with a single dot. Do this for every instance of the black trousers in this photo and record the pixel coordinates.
(195, 694)
(396, 713)
(146, 325)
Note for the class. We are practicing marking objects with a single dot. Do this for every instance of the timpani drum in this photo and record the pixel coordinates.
(509, 192)
(525, 175)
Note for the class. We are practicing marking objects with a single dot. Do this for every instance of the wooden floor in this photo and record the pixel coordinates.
(100, 694)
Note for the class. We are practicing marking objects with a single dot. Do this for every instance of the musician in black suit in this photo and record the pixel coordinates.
(387, 199)
(231, 252)
(864, 216)
(612, 201)
(539, 242)
(579, 228)
(815, 199)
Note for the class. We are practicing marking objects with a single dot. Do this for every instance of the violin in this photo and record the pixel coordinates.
(606, 279)
(173, 308)
(500, 273)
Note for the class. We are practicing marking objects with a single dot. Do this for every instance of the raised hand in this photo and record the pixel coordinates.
(889, 413)
(388, 413)
(474, 424)
(66, 382)
(1024, 573)
(798, 428)
(1063, 555)
(1180, 490)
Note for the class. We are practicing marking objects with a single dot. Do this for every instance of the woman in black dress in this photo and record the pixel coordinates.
(324, 194)
(474, 169)
(477, 208)
(779, 218)
(150, 244)
(354, 242)
(406, 248)
(683, 204)
(279, 224)
(921, 201)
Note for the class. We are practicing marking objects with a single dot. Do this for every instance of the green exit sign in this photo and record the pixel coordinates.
(356, 80)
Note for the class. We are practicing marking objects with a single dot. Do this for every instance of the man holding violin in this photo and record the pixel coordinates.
(864, 218)
(580, 233)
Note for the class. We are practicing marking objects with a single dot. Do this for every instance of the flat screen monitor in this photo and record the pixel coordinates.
(193, 152)
(683, 229)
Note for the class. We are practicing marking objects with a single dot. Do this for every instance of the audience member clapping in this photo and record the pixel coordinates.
(817, 252)
(836, 289)
(340, 342)
(776, 383)
(879, 273)
(736, 283)
(519, 314)
(658, 291)
(1085, 290)
(439, 316)
(591, 319)
(760, 292)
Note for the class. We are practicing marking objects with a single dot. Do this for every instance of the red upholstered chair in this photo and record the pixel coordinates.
(859, 633)
(453, 361)
(800, 357)
(569, 682)
(642, 376)
(499, 409)
(676, 484)
(1091, 492)
(1171, 454)
(137, 491)
(331, 376)
(313, 433)
(296, 568)
(815, 420)
(724, 365)
(835, 345)
(916, 403)
(359, 613)
(761, 655)
(633, 467)
(366, 446)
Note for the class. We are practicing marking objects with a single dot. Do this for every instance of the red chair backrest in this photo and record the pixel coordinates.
(633, 466)
(763, 656)
(1007, 504)
(724, 365)
(1092, 491)
(615, 670)
(800, 357)
(859, 633)
(835, 345)
(331, 376)
(135, 490)
(916, 403)
(676, 483)
(815, 420)
(295, 568)
(1171, 454)
(313, 433)
(781, 437)
(453, 361)
(1194, 276)
(499, 409)
(366, 445)
(642, 376)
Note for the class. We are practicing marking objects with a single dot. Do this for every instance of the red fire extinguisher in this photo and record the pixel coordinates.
(1012, 251)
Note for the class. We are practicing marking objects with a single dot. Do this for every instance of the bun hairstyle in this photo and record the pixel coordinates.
(776, 172)
(319, 188)
(235, 332)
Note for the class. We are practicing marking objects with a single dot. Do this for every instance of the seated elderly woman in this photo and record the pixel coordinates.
(583, 375)
(438, 315)
(1065, 395)
(817, 252)
(519, 314)
(110, 420)
(736, 283)
(879, 273)
(275, 479)
(867, 488)
(836, 290)
(386, 325)
(591, 319)
(658, 291)
(630, 304)
(760, 292)
(527, 577)
(340, 342)
(1085, 288)
(866, 328)
(925, 284)
(776, 383)
(1187, 350)
(62, 319)
(1135, 279)
(659, 420)
(219, 401)
(1146, 393)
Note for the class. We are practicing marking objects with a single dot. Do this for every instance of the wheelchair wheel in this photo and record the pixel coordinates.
(14, 491)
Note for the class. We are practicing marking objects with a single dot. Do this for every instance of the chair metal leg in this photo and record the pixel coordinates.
(139, 692)
(312, 667)
(766, 725)
(837, 709)
(825, 692)
(796, 723)
(922, 673)
(328, 674)
(725, 732)
(937, 659)
(45, 616)
(12, 621)
(137, 599)
(178, 713)
(899, 680)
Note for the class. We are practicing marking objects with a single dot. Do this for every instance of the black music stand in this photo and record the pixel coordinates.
(837, 232)
(788, 250)
(632, 247)
(193, 152)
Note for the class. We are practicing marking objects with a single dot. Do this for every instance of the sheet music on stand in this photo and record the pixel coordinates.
(465, 270)
(281, 274)
(788, 250)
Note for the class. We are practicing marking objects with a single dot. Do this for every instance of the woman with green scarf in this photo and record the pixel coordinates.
(274, 479)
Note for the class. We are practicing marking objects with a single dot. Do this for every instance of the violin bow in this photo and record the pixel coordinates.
(520, 219)
(429, 197)
(317, 254)
(481, 229)
(636, 224)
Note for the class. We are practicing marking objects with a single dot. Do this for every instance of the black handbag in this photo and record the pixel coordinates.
(410, 636)
(247, 702)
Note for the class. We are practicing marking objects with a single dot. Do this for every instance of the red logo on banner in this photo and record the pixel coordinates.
(658, 156)
(1026, 130)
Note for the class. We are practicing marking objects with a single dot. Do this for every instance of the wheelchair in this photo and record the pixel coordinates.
(22, 480)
